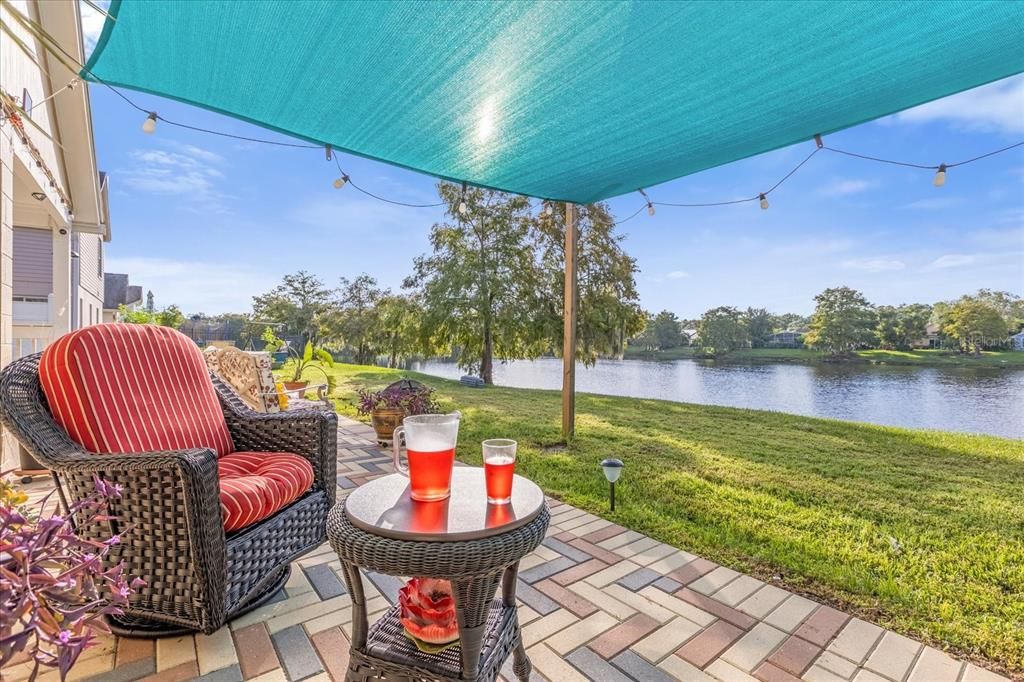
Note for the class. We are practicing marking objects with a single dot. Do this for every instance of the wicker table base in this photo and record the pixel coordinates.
(488, 628)
(390, 655)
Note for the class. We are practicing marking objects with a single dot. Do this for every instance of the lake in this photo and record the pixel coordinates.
(973, 400)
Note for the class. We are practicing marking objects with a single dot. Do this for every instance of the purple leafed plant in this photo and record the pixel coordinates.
(410, 399)
(54, 585)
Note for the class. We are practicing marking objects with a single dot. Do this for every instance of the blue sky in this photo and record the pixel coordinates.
(207, 222)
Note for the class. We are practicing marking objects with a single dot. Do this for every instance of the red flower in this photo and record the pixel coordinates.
(428, 610)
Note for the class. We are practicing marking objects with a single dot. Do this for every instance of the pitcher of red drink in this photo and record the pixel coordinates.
(430, 448)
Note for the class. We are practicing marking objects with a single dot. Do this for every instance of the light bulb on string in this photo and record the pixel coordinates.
(764, 202)
(940, 176)
(650, 204)
(463, 208)
(340, 182)
(149, 125)
(549, 210)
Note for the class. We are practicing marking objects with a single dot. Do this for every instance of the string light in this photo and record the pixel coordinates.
(650, 204)
(549, 210)
(764, 201)
(463, 208)
(940, 176)
(340, 182)
(149, 125)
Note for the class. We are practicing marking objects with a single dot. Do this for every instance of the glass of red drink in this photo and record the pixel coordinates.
(430, 448)
(499, 465)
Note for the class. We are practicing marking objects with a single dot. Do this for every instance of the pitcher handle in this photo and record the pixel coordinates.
(396, 449)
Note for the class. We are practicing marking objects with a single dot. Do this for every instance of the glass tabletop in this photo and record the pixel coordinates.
(383, 507)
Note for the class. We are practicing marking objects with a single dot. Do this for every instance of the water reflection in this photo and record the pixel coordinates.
(975, 400)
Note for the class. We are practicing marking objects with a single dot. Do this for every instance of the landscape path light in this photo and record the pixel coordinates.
(612, 470)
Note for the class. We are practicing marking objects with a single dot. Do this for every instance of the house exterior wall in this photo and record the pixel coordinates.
(36, 231)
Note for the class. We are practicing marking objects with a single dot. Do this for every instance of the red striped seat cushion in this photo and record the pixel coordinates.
(254, 485)
(133, 388)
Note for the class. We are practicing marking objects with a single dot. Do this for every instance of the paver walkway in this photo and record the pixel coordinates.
(597, 602)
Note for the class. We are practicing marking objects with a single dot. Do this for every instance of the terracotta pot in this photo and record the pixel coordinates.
(385, 422)
(294, 385)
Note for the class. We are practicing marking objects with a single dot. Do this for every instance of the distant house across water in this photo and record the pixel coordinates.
(931, 339)
(1017, 341)
(790, 338)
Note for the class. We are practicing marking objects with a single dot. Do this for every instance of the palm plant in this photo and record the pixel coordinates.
(311, 356)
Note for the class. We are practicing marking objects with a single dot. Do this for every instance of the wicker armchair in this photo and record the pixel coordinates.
(198, 576)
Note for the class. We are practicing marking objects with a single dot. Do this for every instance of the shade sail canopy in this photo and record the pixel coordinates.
(575, 101)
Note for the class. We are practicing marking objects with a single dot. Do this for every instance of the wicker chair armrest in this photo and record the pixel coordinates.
(313, 434)
(192, 474)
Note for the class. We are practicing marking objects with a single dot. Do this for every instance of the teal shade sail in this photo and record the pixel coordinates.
(575, 101)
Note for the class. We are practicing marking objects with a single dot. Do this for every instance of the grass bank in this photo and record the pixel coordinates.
(923, 358)
(921, 532)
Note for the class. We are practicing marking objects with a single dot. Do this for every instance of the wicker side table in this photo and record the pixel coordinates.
(463, 540)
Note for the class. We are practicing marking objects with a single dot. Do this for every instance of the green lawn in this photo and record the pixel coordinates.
(926, 357)
(814, 501)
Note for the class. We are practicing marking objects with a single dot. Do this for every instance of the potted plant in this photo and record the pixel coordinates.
(308, 360)
(389, 406)
(55, 587)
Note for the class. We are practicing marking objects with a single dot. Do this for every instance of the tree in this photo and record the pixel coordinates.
(354, 317)
(790, 322)
(722, 330)
(645, 338)
(665, 331)
(843, 320)
(760, 325)
(888, 327)
(398, 330)
(608, 311)
(974, 324)
(170, 316)
(1010, 306)
(481, 287)
(300, 302)
(912, 324)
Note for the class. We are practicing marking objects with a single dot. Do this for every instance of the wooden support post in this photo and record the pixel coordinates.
(569, 327)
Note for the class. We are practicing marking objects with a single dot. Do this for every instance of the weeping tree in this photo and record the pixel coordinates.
(398, 330)
(355, 315)
(480, 287)
(608, 309)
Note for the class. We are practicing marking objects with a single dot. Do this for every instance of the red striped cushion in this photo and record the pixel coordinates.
(254, 485)
(133, 388)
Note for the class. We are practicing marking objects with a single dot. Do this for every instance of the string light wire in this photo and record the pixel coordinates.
(375, 196)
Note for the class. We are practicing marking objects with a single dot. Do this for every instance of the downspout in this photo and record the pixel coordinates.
(76, 277)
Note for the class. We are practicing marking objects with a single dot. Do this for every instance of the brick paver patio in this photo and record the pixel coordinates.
(597, 602)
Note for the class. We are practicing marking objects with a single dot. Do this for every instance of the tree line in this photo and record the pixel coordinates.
(844, 321)
(490, 289)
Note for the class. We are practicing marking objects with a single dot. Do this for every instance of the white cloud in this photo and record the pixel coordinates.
(996, 107)
(190, 172)
(951, 260)
(92, 23)
(874, 264)
(678, 274)
(846, 186)
(196, 286)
